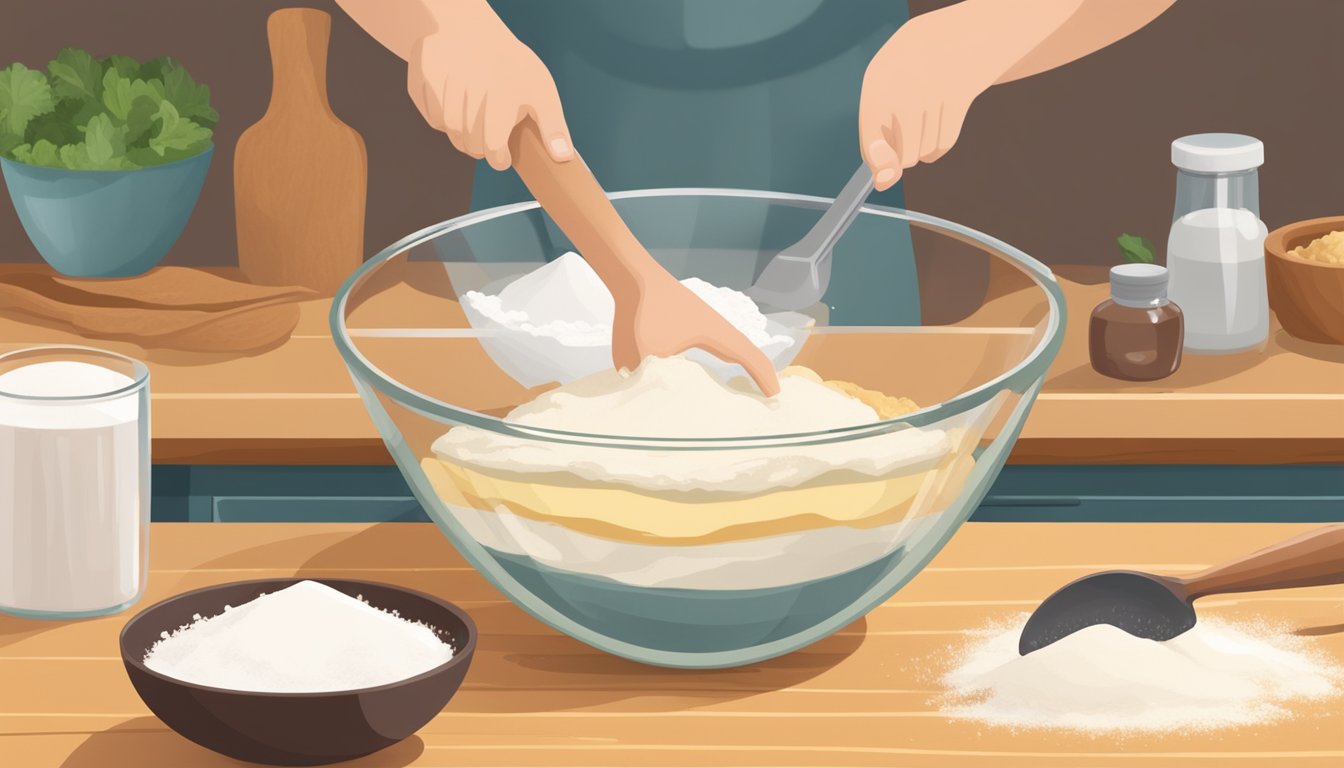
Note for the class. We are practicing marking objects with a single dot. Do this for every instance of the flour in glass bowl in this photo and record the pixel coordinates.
(566, 300)
(553, 324)
(1104, 680)
(676, 397)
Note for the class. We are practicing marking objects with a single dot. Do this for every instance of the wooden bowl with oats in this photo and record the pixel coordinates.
(1305, 266)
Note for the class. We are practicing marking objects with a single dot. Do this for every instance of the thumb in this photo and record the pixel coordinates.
(549, 116)
(878, 153)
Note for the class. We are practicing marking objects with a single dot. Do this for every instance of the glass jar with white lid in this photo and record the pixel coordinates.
(1215, 251)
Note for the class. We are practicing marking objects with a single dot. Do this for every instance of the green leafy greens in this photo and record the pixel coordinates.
(103, 114)
(1135, 249)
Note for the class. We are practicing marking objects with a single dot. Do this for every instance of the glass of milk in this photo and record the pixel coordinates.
(1216, 249)
(74, 481)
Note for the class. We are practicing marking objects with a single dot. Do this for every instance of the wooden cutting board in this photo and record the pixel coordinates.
(300, 174)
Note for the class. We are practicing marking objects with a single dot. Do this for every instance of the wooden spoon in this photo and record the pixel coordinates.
(572, 196)
(1161, 607)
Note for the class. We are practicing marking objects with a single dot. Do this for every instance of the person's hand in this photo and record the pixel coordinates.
(666, 318)
(916, 93)
(477, 83)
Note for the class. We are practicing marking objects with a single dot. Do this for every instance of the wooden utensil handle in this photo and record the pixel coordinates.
(1312, 559)
(298, 39)
(570, 193)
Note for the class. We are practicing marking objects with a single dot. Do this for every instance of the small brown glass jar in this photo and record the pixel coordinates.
(1137, 334)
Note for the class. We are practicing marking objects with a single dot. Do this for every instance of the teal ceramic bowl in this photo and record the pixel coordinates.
(105, 223)
(712, 576)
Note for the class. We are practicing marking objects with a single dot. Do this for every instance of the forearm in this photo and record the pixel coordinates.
(1094, 25)
(1004, 41)
(399, 24)
(567, 190)
(575, 201)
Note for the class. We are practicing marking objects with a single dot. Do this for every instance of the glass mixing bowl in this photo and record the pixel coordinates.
(702, 574)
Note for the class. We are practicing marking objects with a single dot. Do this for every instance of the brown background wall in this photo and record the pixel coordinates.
(1057, 164)
(1061, 163)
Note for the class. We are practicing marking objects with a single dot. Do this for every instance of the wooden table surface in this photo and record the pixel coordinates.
(536, 698)
(295, 404)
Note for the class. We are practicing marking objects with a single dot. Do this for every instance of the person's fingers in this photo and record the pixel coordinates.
(880, 156)
(449, 100)
(501, 115)
(733, 347)
(624, 350)
(949, 130)
(473, 123)
(904, 135)
(428, 97)
(762, 371)
(546, 111)
(928, 138)
(415, 88)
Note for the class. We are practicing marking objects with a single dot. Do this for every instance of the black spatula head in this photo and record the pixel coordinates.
(1141, 604)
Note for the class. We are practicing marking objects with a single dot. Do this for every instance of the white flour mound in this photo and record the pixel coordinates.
(1102, 679)
(304, 638)
(675, 397)
(565, 300)
(554, 324)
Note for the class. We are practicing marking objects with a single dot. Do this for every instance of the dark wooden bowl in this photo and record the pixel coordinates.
(1307, 296)
(297, 728)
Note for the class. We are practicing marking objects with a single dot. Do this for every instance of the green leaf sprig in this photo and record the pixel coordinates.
(1136, 249)
(105, 114)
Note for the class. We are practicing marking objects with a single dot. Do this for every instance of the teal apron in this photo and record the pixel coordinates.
(752, 94)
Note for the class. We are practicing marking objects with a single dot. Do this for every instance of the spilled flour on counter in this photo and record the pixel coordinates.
(1102, 679)
(305, 638)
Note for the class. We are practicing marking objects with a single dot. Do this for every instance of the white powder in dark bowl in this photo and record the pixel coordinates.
(305, 638)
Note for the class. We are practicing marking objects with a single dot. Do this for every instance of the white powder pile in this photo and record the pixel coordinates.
(1102, 679)
(567, 301)
(553, 324)
(305, 638)
(679, 398)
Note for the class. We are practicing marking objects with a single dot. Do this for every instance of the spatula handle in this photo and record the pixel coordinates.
(833, 223)
(1312, 559)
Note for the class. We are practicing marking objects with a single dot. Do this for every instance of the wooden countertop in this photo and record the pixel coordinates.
(1282, 405)
(295, 404)
(534, 697)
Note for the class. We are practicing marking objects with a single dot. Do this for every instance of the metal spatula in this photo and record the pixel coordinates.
(1161, 607)
(796, 277)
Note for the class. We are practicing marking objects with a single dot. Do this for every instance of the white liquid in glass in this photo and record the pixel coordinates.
(70, 490)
